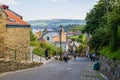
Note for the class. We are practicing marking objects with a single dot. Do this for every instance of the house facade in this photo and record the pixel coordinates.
(49, 36)
(15, 33)
(54, 37)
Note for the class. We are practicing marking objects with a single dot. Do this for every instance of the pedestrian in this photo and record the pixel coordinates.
(74, 55)
(74, 48)
(87, 54)
(46, 54)
(65, 56)
(93, 57)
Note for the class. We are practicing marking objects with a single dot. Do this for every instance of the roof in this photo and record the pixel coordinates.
(57, 42)
(13, 18)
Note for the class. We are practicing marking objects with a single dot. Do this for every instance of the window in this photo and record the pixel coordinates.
(11, 19)
(48, 38)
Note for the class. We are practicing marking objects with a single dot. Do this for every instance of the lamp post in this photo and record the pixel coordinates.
(60, 41)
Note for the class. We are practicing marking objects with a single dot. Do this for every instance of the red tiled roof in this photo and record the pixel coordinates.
(13, 18)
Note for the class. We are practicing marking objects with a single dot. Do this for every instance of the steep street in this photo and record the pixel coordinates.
(54, 70)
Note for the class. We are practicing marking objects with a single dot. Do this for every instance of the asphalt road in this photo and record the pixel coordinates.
(54, 70)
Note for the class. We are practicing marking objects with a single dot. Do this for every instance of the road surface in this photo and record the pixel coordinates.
(54, 70)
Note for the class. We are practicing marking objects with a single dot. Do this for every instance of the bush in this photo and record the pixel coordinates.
(111, 54)
(34, 43)
(40, 50)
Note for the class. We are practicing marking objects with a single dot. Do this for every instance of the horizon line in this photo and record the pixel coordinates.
(57, 19)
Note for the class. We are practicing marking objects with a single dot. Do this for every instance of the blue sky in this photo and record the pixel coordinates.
(50, 9)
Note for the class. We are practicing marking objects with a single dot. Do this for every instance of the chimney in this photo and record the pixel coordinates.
(5, 6)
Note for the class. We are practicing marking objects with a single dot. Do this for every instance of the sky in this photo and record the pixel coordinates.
(50, 9)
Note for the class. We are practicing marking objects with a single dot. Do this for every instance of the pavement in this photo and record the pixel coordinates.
(36, 58)
(90, 74)
(79, 69)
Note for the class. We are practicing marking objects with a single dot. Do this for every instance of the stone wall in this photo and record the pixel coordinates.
(14, 39)
(18, 38)
(110, 68)
(15, 65)
(2, 31)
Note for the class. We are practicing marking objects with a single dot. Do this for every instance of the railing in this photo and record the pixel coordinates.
(12, 54)
(8, 54)
(36, 58)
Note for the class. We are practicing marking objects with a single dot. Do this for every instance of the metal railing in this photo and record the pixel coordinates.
(36, 58)
(12, 54)
(8, 54)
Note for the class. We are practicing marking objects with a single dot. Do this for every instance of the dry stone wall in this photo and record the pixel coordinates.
(2, 32)
(109, 67)
(18, 38)
(15, 65)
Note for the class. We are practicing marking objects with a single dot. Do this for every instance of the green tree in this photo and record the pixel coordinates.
(95, 17)
(103, 23)
(32, 36)
(114, 22)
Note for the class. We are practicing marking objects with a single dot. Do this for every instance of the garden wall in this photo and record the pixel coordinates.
(110, 68)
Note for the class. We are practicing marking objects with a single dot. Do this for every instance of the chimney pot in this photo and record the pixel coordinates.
(5, 6)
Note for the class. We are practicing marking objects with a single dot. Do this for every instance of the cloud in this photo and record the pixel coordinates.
(11, 2)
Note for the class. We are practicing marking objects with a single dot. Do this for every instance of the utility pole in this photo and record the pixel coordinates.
(60, 42)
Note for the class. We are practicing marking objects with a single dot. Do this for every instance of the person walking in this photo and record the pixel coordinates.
(65, 56)
(93, 57)
(46, 54)
(86, 54)
(74, 48)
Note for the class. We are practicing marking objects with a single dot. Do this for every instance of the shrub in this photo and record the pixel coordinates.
(40, 50)
(111, 54)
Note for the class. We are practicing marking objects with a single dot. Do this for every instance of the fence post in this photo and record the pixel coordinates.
(26, 57)
(40, 59)
(15, 55)
(32, 56)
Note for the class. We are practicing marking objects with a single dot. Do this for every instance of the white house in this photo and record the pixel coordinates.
(49, 36)
(54, 38)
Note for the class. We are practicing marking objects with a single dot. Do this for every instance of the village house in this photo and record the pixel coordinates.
(14, 34)
(71, 33)
(53, 37)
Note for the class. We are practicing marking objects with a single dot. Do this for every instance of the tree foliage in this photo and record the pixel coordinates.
(32, 36)
(103, 22)
(40, 50)
(114, 22)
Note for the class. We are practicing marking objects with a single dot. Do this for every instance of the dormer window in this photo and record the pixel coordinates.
(10, 19)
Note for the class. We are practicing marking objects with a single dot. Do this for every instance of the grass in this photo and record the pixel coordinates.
(99, 76)
(34, 43)
(39, 51)
(111, 54)
(40, 48)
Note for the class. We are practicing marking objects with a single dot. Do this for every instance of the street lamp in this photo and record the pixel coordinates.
(60, 41)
